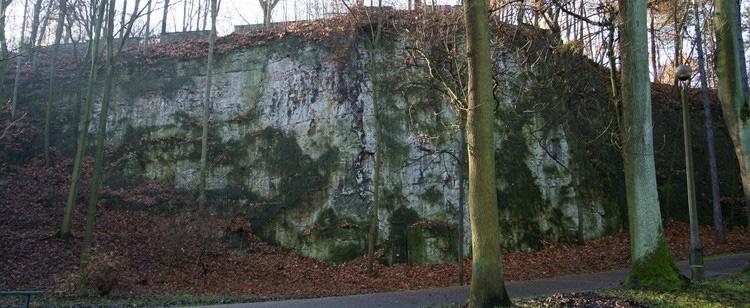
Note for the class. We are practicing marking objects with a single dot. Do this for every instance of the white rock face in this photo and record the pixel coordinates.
(293, 137)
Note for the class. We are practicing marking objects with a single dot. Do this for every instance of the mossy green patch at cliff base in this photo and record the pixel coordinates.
(338, 239)
(656, 271)
(431, 242)
(397, 249)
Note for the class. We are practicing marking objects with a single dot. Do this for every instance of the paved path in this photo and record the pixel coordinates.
(451, 295)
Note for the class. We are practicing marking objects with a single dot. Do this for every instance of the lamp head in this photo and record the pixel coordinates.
(684, 72)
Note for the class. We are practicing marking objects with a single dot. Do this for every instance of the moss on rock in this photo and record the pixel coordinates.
(431, 241)
(397, 248)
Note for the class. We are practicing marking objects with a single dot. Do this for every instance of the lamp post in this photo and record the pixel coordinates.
(684, 73)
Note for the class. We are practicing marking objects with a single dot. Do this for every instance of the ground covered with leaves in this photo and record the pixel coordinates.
(724, 291)
(163, 247)
(586, 299)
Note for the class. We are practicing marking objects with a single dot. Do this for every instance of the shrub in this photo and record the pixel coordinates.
(104, 273)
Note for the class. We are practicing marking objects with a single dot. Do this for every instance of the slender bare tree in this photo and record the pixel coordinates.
(65, 230)
(18, 62)
(206, 104)
(100, 135)
(53, 64)
(165, 13)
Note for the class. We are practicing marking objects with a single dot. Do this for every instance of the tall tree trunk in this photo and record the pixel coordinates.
(582, 12)
(34, 30)
(710, 44)
(14, 102)
(198, 15)
(372, 234)
(566, 25)
(733, 93)
(708, 119)
(747, 69)
(205, 17)
(164, 17)
(614, 82)
(376, 56)
(52, 67)
(80, 74)
(127, 27)
(267, 6)
(43, 27)
(677, 34)
(69, 33)
(184, 15)
(654, 61)
(206, 102)
(461, 194)
(92, 17)
(65, 229)
(652, 266)
(487, 286)
(267, 13)
(3, 45)
(100, 135)
(743, 65)
(147, 34)
(521, 12)
(122, 15)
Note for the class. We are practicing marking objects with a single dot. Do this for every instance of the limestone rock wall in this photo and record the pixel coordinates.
(293, 143)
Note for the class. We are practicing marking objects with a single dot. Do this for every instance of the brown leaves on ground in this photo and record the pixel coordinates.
(586, 300)
(15, 132)
(183, 252)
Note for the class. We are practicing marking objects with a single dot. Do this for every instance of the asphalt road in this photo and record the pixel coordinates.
(517, 289)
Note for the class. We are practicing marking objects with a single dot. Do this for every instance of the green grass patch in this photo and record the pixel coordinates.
(724, 291)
